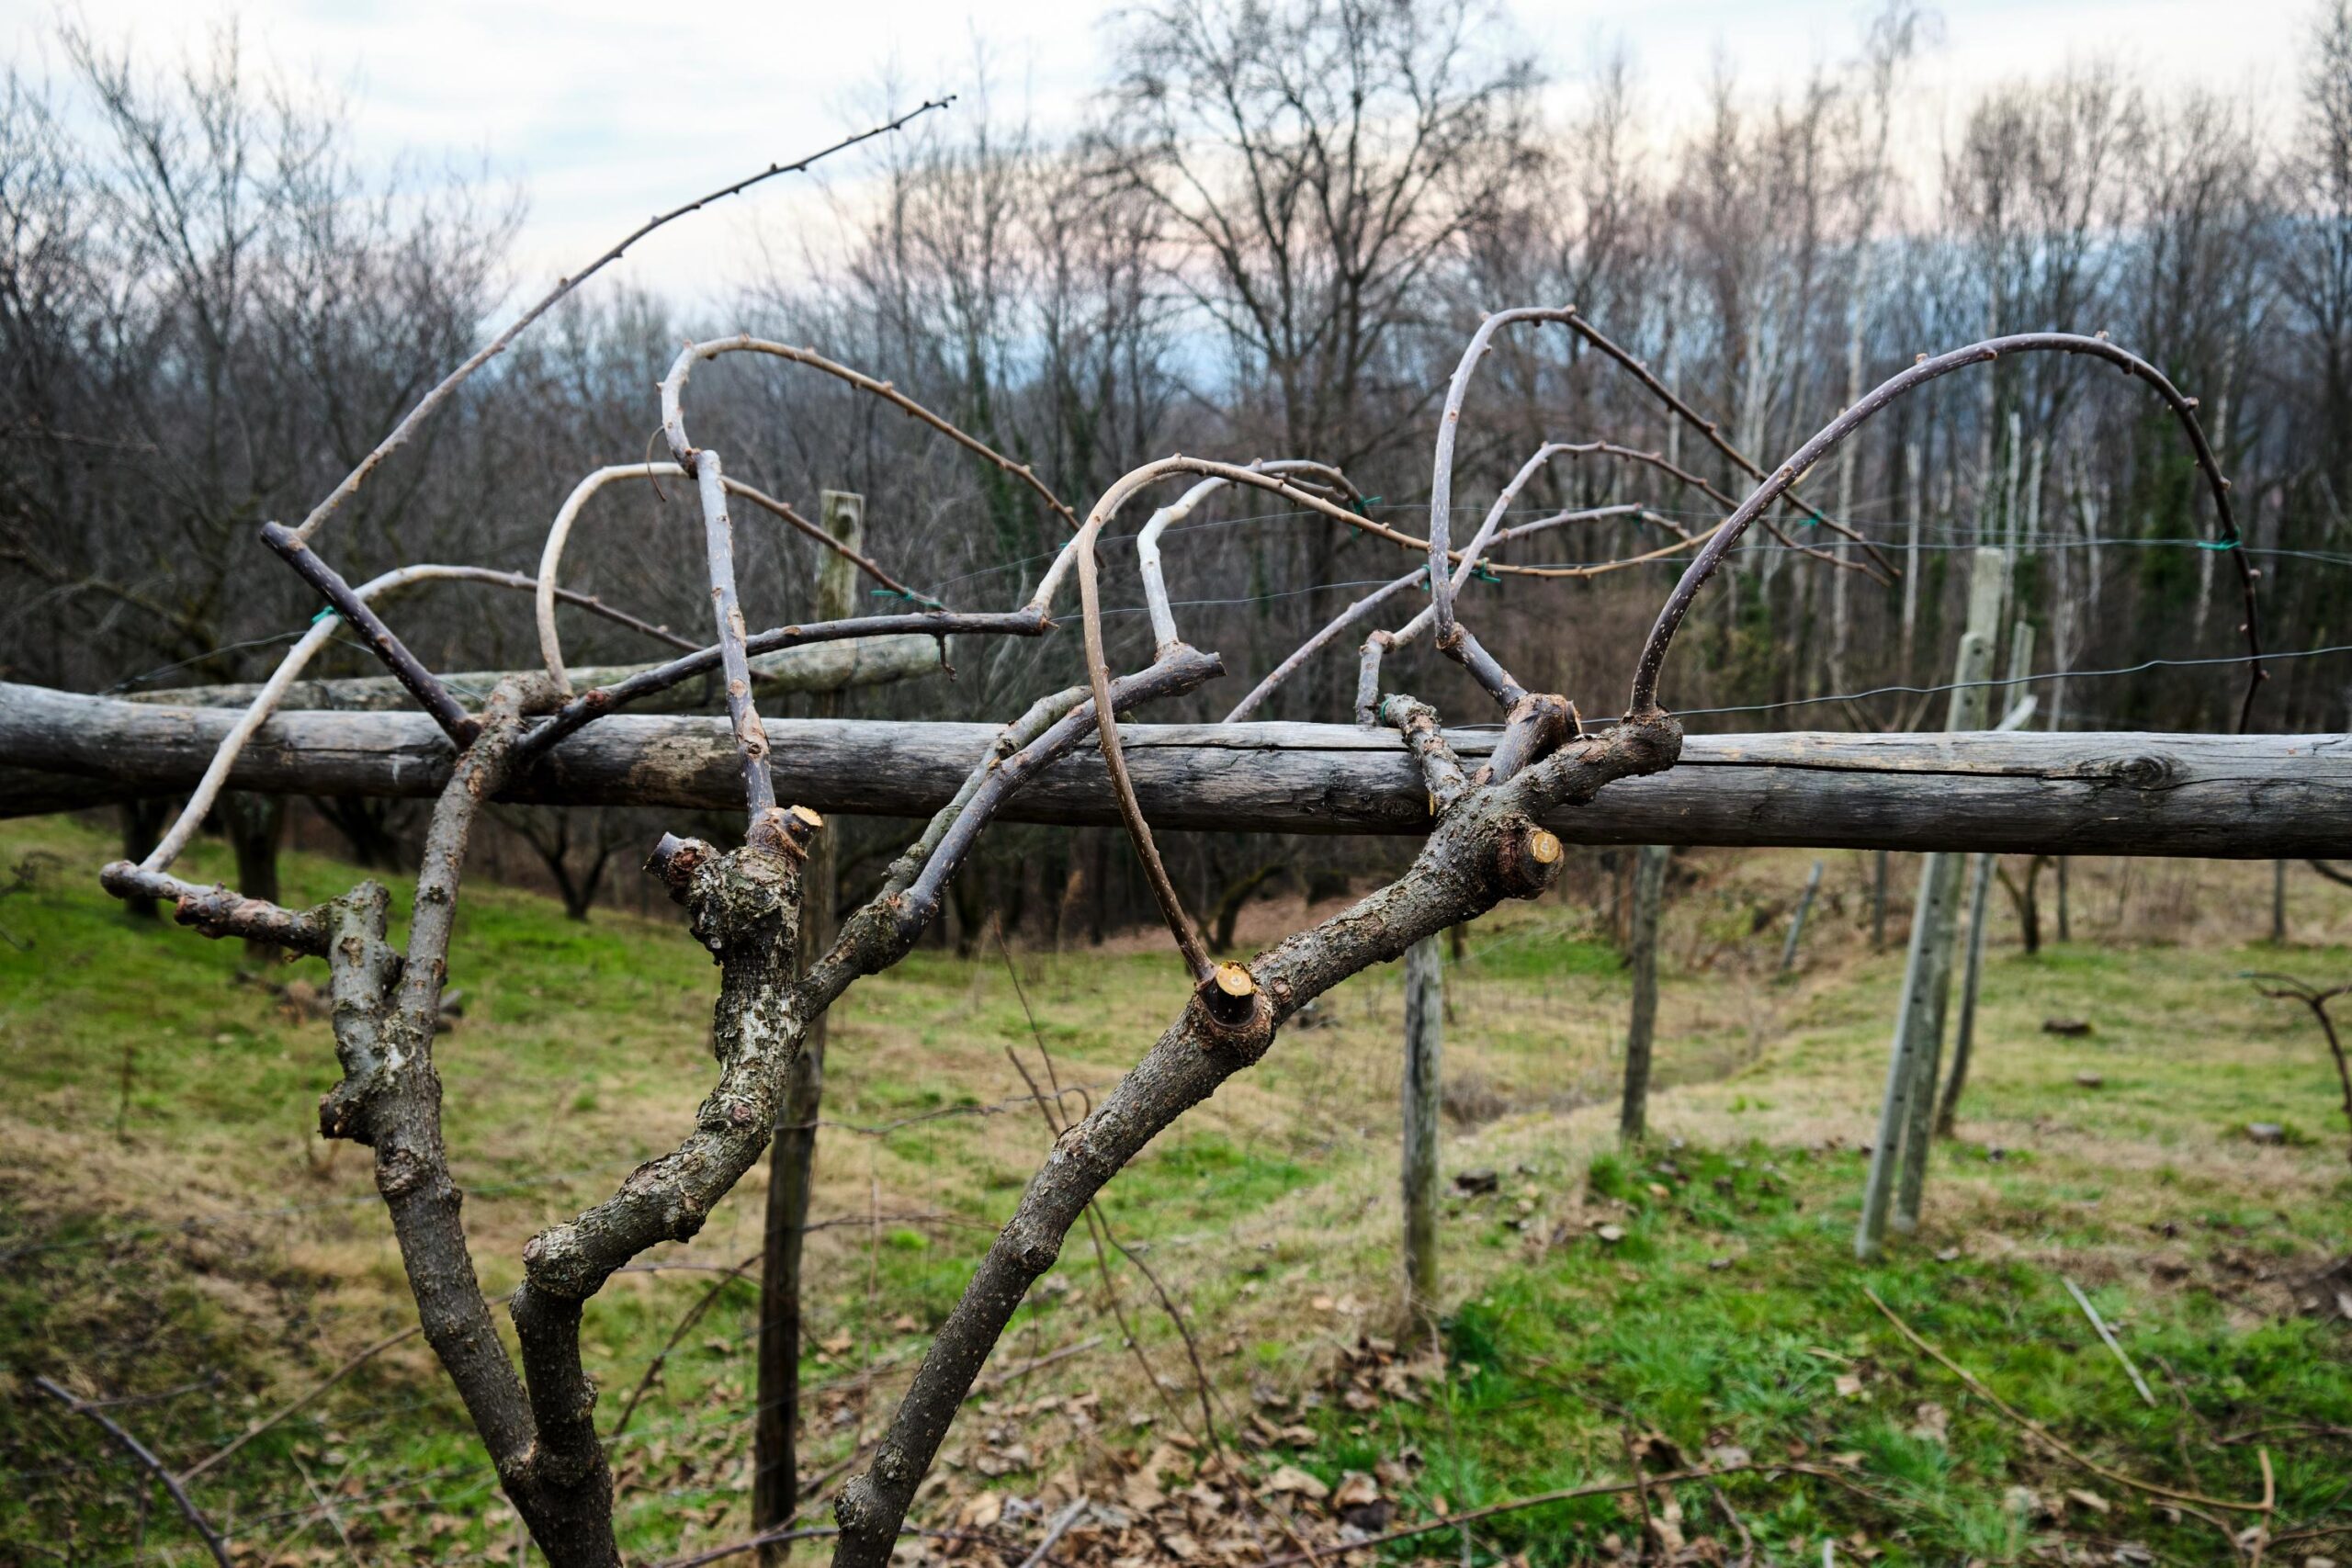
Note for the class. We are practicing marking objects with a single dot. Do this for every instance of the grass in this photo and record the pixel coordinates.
(173, 1227)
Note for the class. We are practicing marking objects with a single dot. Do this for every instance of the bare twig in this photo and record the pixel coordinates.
(1364, 607)
(1115, 761)
(2106, 1337)
(430, 693)
(742, 713)
(1641, 372)
(2286, 987)
(415, 417)
(1147, 563)
(683, 1326)
(560, 535)
(325, 1504)
(1478, 854)
(595, 703)
(674, 386)
(147, 1459)
(1561, 1494)
(1058, 1527)
(320, 1387)
(273, 691)
(1449, 423)
(1641, 1492)
(1976, 1386)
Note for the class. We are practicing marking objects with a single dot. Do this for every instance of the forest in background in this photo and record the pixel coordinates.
(1269, 237)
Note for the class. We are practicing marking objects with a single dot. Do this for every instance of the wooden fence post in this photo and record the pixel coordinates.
(1424, 1035)
(1980, 888)
(1649, 896)
(792, 1157)
(1911, 1072)
(1796, 922)
(1971, 700)
(1878, 901)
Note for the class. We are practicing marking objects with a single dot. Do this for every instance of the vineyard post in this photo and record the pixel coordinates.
(1971, 700)
(1919, 1017)
(1980, 888)
(792, 1157)
(1649, 894)
(1796, 922)
(1424, 1037)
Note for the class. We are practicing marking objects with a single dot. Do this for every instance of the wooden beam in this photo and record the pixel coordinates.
(2255, 797)
(812, 667)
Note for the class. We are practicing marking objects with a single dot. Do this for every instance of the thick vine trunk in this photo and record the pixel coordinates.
(1486, 848)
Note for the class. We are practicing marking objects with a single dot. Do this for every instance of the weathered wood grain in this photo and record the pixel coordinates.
(2260, 796)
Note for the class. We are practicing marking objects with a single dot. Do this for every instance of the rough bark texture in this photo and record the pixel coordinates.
(1479, 854)
(745, 908)
(2245, 798)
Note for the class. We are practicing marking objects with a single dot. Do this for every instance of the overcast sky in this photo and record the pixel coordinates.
(606, 112)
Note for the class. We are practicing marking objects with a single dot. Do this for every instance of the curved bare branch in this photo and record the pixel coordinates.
(674, 388)
(1644, 699)
(1155, 584)
(1458, 387)
(560, 535)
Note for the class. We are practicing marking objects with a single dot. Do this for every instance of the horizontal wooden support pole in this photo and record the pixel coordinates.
(2258, 796)
(812, 667)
